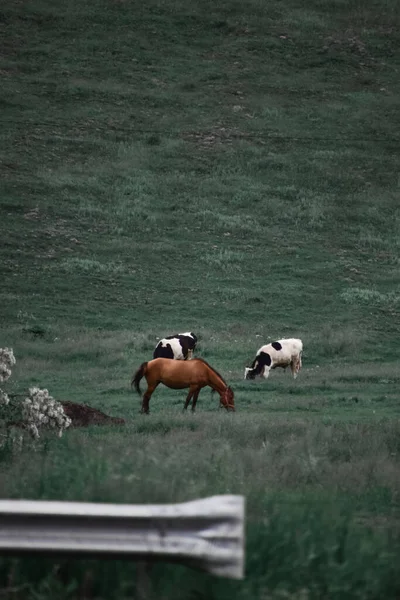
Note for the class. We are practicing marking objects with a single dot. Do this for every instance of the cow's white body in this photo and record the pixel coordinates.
(282, 353)
(179, 346)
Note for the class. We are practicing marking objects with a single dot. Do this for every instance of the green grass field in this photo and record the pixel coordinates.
(231, 169)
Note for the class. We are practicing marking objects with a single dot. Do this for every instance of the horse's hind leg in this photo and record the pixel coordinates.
(145, 403)
(146, 398)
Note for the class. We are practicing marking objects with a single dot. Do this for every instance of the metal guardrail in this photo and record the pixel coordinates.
(206, 534)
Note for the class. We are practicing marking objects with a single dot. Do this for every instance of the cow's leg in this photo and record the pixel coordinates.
(266, 372)
(146, 398)
(295, 367)
(196, 395)
(298, 367)
(190, 354)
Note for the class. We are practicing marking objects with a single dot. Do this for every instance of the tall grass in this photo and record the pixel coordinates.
(322, 513)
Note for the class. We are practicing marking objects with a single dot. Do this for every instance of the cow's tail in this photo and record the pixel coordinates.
(138, 376)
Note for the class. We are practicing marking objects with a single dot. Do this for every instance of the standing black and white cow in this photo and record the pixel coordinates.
(281, 353)
(179, 346)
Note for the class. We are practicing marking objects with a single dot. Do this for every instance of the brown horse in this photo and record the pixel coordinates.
(176, 374)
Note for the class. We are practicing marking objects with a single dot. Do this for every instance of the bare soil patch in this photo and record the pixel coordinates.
(82, 415)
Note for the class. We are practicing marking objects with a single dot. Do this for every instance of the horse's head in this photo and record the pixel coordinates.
(227, 399)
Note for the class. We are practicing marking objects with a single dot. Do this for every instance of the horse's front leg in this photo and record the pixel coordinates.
(188, 398)
(195, 396)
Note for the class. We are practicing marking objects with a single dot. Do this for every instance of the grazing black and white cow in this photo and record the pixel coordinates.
(179, 346)
(277, 354)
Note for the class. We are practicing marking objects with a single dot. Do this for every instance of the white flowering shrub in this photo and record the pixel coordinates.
(41, 409)
(4, 398)
(7, 360)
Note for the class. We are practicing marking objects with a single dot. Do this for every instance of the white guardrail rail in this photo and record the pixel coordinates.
(206, 534)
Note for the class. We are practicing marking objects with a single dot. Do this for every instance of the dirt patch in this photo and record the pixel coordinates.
(82, 415)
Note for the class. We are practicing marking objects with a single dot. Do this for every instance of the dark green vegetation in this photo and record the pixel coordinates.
(230, 168)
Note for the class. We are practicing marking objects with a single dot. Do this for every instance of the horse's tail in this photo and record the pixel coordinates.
(138, 376)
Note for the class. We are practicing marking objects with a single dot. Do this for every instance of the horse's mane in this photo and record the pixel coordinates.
(212, 369)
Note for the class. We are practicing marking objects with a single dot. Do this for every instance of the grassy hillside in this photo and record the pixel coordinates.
(230, 169)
